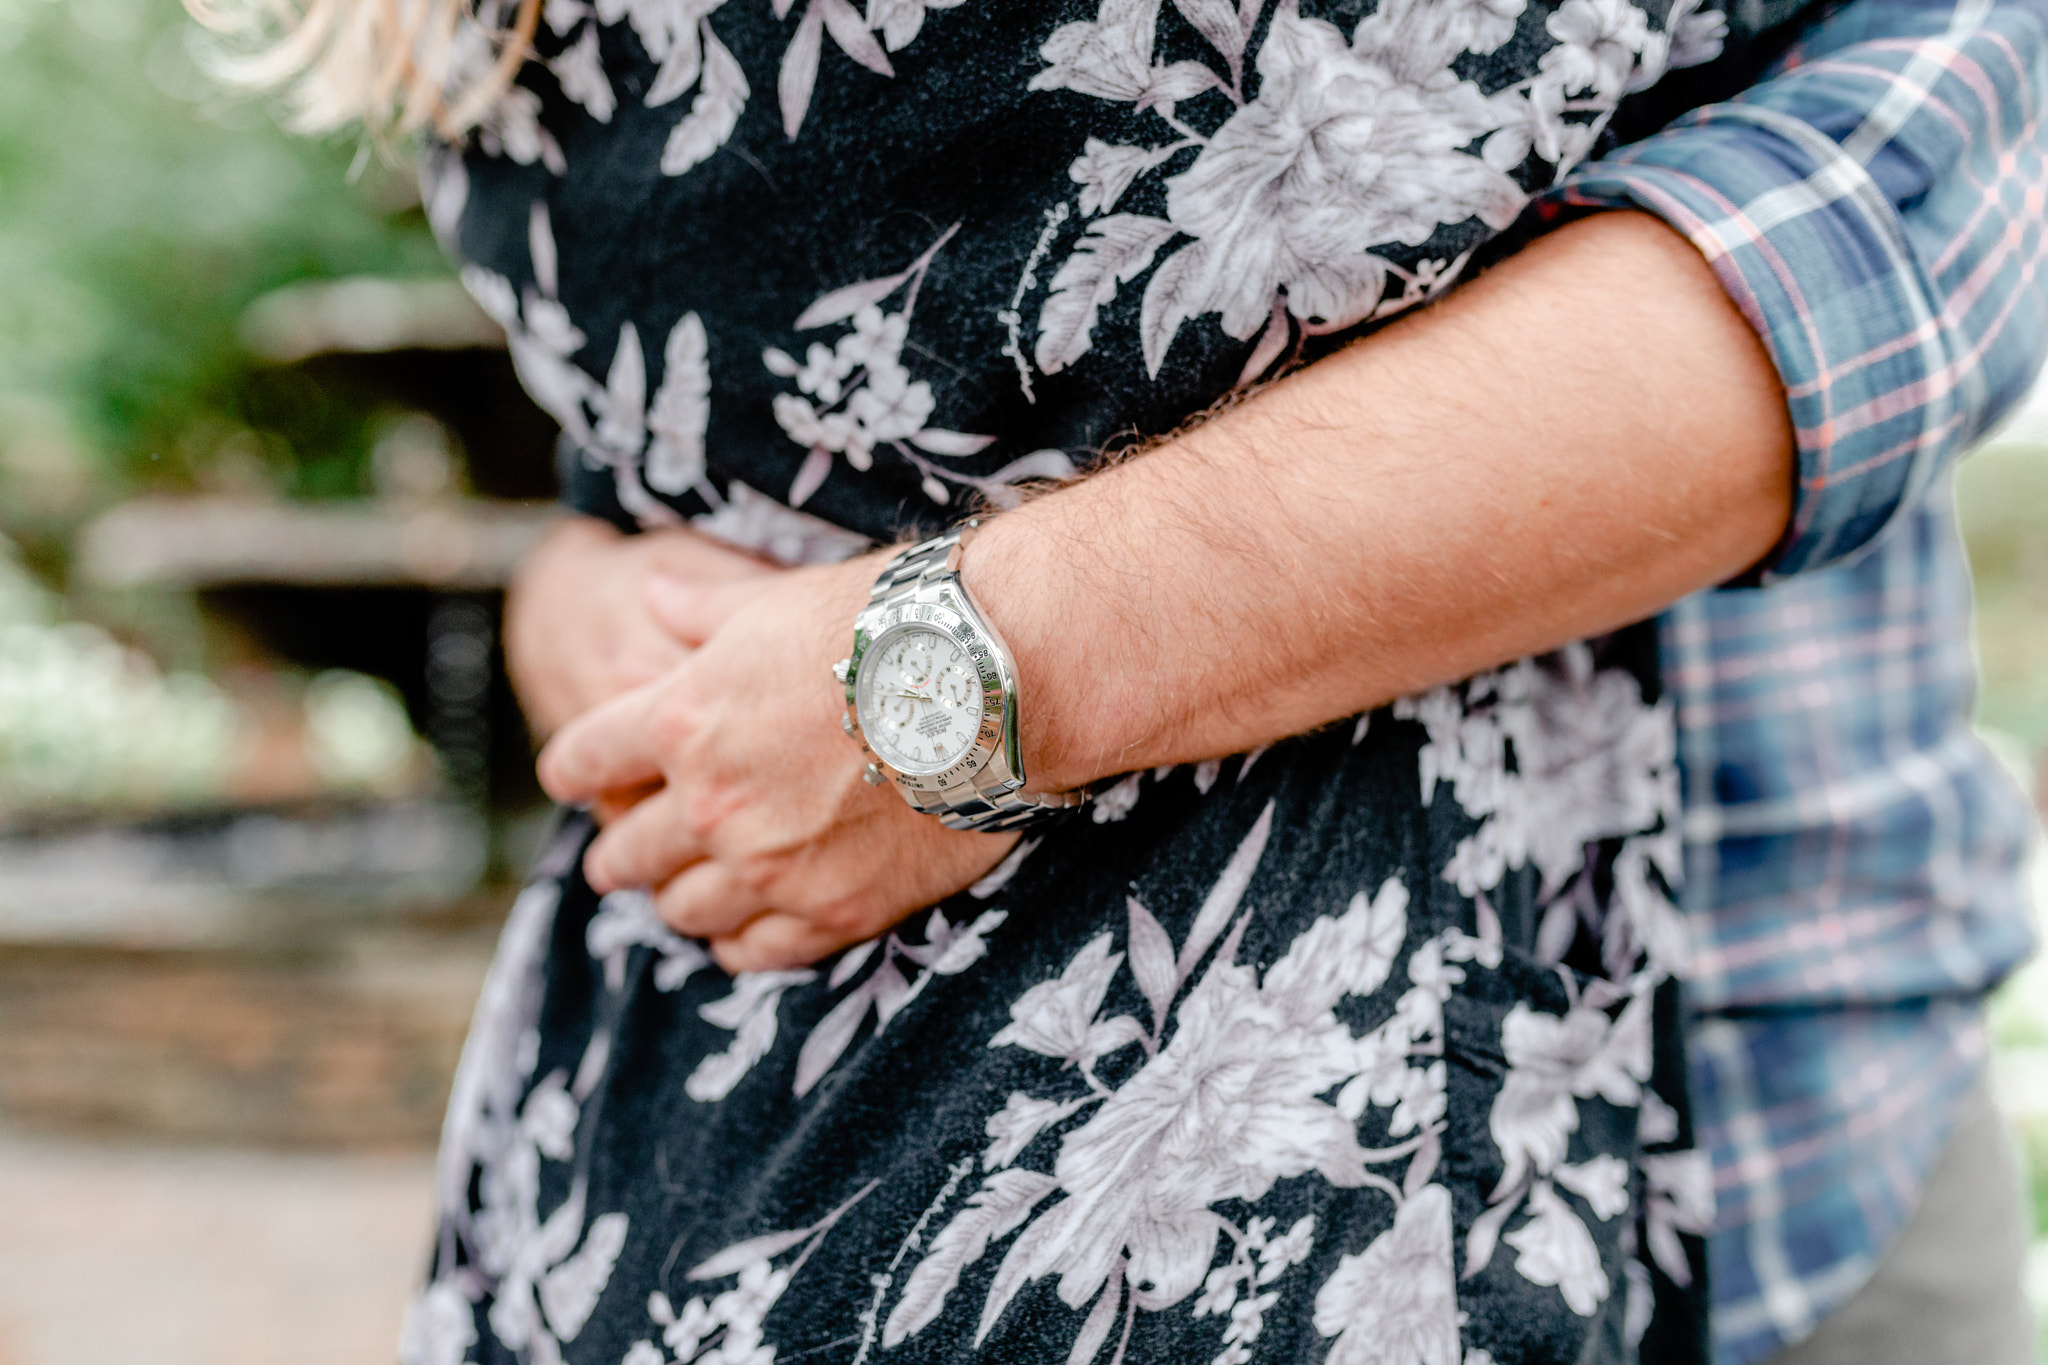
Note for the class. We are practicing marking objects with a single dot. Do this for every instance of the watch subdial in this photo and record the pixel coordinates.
(898, 712)
(913, 662)
(956, 688)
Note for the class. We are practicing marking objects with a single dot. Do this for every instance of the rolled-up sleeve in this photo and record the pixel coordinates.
(1877, 207)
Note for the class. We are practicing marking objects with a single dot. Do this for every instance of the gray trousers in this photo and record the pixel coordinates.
(1950, 1291)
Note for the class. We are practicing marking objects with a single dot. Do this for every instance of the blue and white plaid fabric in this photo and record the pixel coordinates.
(1876, 208)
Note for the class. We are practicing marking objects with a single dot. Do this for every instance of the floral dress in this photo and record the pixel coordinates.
(1360, 1049)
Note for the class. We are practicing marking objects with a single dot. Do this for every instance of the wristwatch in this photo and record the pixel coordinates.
(931, 694)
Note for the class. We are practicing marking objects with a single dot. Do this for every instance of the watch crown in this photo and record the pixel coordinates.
(874, 776)
(846, 722)
(842, 668)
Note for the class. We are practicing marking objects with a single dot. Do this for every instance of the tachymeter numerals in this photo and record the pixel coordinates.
(920, 700)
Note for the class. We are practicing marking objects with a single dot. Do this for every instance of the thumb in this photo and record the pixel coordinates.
(693, 611)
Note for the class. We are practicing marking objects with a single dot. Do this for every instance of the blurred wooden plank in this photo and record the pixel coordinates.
(365, 315)
(205, 542)
(239, 879)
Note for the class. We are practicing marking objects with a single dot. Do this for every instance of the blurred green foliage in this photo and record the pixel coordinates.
(2002, 504)
(140, 211)
(2002, 499)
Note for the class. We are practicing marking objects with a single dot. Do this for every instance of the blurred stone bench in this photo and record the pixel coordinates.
(295, 978)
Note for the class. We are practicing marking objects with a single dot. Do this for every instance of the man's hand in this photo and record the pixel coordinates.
(1447, 495)
(578, 629)
(762, 835)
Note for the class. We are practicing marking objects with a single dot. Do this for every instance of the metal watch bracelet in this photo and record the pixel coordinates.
(989, 807)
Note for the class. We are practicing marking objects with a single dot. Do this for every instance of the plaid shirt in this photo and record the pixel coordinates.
(1876, 207)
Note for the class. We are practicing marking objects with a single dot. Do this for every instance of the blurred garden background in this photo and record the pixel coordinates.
(263, 471)
(263, 792)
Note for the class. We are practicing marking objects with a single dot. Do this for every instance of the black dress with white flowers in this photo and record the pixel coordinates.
(1361, 1049)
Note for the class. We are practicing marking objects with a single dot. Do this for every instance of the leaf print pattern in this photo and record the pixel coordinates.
(615, 423)
(1395, 1303)
(715, 110)
(1166, 1084)
(729, 1328)
(691, 60)
(1220, 1110)
(626, 920)
(1127, 1217)
(946, 951)
(440, 1327)
(1290, 205)
(1113, 251)
(1552, 758)
(750, 1014)
(546, 1276)
(651, 445)
(856, 396)
(756, 522)
(1679, 1199)
(510, 125)
(548, 1273)
(1551, 755)
(1221, 181)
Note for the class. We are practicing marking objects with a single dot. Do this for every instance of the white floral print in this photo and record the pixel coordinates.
(1679, 1198)
(652, 447)
(1395, 1303)
(1163, 1094)
(750, 1010)
(545, 1274)
(1135, 1188)
(660, 442)
(1551, 755)
(774, 530)
(678, 37)
(1349, 148)
(1554, 1248)
(440, 1327)
(509, 126)
(626, 920)
(947, 950)
(856, 396)
(729, 1328)
(1598, 42)
(1336, 156)
(750, 1014)
(1225, 1107)
(1233, 1099)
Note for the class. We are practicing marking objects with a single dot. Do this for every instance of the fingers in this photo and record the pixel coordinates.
(609, 807)
(692, 612)
(775, 941)
(606, 749)
(687, 553)
(646, 846)
(706, 900)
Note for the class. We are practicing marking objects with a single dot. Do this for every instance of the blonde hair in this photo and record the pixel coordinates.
(386, 66)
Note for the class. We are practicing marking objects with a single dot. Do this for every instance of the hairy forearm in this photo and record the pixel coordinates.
(1566, 445)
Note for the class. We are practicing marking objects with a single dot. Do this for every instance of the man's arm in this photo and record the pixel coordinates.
(1878, 209)
(1564, 446)
(1876, 214)
(1586, 433)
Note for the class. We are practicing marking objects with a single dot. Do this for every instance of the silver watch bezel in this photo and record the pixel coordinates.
(988, 765)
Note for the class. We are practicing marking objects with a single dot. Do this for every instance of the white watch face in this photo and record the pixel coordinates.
(919, 700)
